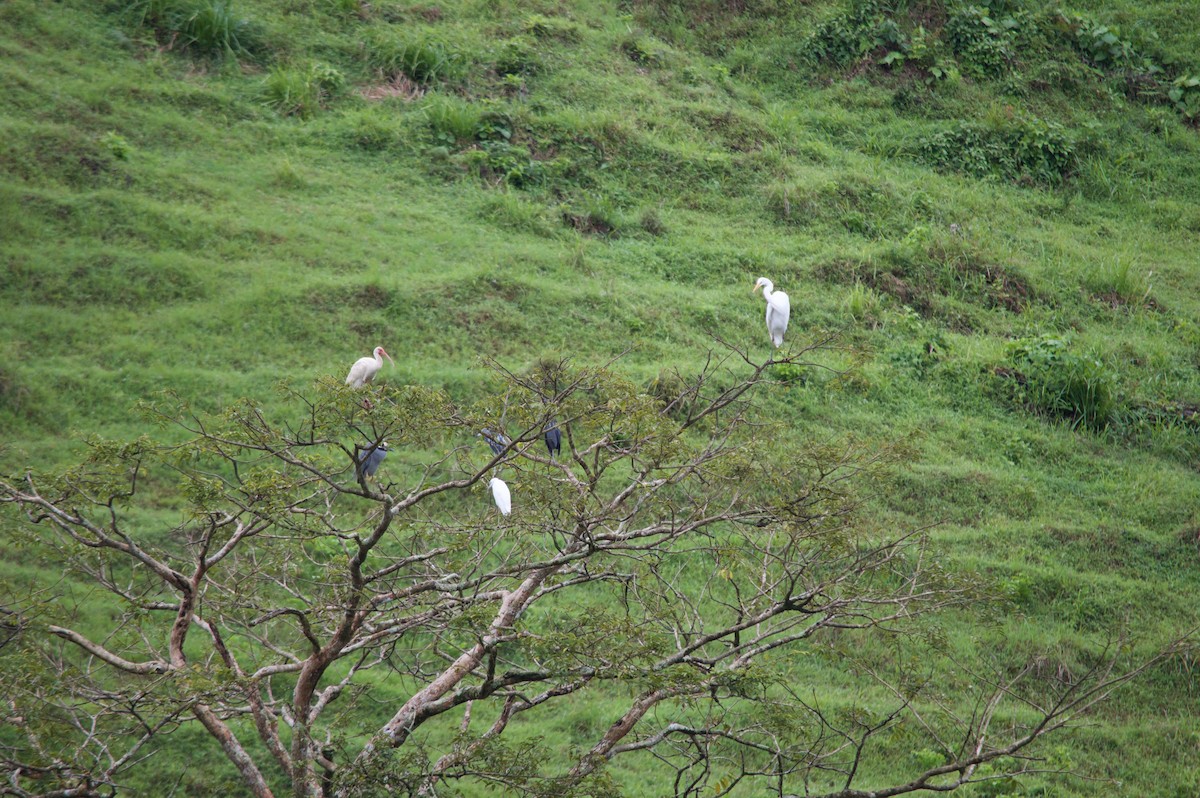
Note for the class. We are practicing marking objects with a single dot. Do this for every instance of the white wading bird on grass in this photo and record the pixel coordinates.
(365, 368)
(779, 307)
(501, 495)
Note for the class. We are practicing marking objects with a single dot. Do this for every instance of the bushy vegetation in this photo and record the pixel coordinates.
(992, 205)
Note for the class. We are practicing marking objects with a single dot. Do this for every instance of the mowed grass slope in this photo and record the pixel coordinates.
(479, 180)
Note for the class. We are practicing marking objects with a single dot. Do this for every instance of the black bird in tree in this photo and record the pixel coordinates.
(553, 438)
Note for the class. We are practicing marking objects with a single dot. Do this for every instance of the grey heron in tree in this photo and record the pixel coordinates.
(553, 438)
(372, 457)
(495, 440)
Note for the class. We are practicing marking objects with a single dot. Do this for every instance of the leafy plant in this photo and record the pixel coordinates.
(847, 36)
(117, 145)
(1185, 94)
(1008, 144)
(1101, 45)
(1050, 378)
(985, 44)
(499, 161)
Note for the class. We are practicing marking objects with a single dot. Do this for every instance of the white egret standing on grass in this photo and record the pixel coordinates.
(779, 307)
(502, 496)
(365, 368)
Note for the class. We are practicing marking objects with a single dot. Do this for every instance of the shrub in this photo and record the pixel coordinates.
(1051, 379)
(1100, 45)
(848, 36)
(984, 44)
(1010, 145)
(499, 161)
(117, 145)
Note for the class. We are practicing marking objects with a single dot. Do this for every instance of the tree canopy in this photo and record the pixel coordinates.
(679, 557)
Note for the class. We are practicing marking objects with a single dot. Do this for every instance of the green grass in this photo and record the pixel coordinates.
(213, 205)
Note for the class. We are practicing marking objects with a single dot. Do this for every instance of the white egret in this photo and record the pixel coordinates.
(502, 496)
(779, 307)
(365, 368)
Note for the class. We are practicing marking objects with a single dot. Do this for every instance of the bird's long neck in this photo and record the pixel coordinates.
(768, 289)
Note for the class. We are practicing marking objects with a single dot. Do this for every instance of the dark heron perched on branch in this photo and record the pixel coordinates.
(371, 458)
(496, 440)
(553, 438)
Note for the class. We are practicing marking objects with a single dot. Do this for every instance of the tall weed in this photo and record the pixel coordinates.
(301, 91)
(211, 27)
(421, 59)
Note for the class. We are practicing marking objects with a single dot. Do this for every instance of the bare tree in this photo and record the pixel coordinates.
(672, 559)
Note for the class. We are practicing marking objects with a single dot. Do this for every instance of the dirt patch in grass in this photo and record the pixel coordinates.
(400, 86)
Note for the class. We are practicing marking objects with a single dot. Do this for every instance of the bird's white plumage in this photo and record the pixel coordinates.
(502, 495)
(779, 309)
(365, 368)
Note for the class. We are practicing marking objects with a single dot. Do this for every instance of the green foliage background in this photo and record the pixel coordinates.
(998, 207)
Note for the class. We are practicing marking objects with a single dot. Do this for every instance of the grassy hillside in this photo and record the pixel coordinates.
(997, 209)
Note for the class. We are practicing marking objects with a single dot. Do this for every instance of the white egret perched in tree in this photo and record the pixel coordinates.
(365, 368)
(779, 307)
(502, 496)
